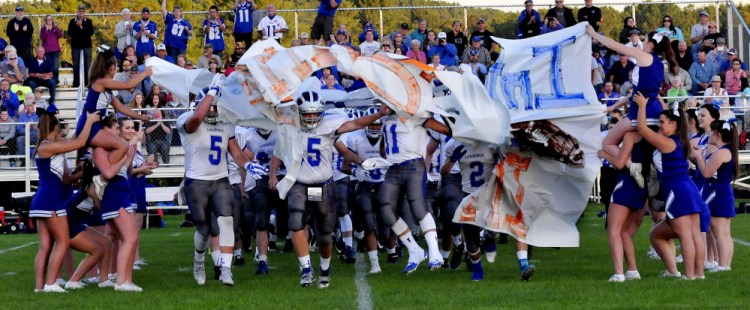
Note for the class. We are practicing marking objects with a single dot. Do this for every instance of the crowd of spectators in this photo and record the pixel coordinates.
(704, 60)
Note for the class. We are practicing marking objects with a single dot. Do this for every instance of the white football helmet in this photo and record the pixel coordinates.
(310, 109)
(374, 130)
(263, 132)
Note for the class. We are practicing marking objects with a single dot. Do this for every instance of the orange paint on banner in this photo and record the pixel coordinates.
(469, 213)
(521, 164)
(418, 64)
(410, 82)
(516, 224)
(493, 218)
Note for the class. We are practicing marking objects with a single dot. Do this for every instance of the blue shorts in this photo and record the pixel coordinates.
(653, 109)
(116, 197)
(627, 193)
(76, 222)
(94, 127)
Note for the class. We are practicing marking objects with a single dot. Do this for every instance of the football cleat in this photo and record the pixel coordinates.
(527, 271)
(239, 260)
(272, 246)
(262, 268)
(288, 246)
(456, 256)
(435, 265)
(392, 258)
(306, 277)
(199, 273)
(325, 278)
(226, 276)
(412, 265)
(477, 272)
(348, 256)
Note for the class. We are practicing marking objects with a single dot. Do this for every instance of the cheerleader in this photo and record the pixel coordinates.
(707, 114)
(141, 168)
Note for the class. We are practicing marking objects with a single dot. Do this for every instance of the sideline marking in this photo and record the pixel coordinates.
(740, 241)
(364, 292)
(18, 247)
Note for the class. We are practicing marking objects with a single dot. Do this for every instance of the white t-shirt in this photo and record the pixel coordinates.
(205, 149)
(359, 144)
(369, 48)
(318, 145)
(269, 25)
(402, 144)
(476, 166)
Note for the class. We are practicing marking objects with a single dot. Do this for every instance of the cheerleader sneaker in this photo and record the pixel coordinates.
(617, 278)
(720, 269)
(60, 281)
(632, 275)
(652, 254)
(106, 284)
(53, 288)
(678, 259)
(70, 285)
(128, 287)
(667, 274)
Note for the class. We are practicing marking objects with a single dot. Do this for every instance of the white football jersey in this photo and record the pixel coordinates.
(338, 160)
(476, 166)
(443, 140)
(262, 149)
(402, 144)
(270, 25)
(240, 135)
(360, 145)
(205, 149)
(433, 174)
(318, 145)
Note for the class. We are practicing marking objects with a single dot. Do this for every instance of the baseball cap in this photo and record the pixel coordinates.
(134, 69)
(188, 63)
(341, 31)
(635, 31)
(208, 45)
(304, 35)
(405, 26)
(715, 78)
(476, 39)
(703, 13)
(442, 35)
(481, 20)
(145, 9)
(732, 51)
(528, 1)
(720, 40)
(19, 8)
(473, 52)
(81, 7)
(161, 47)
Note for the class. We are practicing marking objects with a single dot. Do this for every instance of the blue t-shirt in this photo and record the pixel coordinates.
(214, 35)
(325, 8)
(145, 44)
(243, 18)
(175, 35)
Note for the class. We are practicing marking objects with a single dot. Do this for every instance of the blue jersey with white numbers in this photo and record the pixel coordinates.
(145, 44)
(176, 35)
(243, 18)
(214, 35)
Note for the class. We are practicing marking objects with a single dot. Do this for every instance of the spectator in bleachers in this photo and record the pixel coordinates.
(403, 31)
(399, 51)
(369, 46)
(385, 45)
(28, 116)
(189, 65)
(563, 14)
(3, 45)
(175, 108)
(136, 102)
(331, 83)
(701, 72)
(608, 92)
(430, 41)
(145, 32)
(322, 27)
(399, 42)
(80, 31)
(477, 68)
(294, 43)
(679, 73)
(363, 35)
(8, 99)
(208, 54)
(158, 131)
(213, 66)
(129, 54)
(486, 36)
(711, 40)
(272, 25)
(39, 97)
(683, 56)
(677, 89)
(12, 70)
(591, 14)
(597, 75)
(304, 39)
(7, 135)
(239, 50)
(177, 31)
(243, 21)
(718, 55)
(20, 31)
(628, 24)
(420, 33)
(124, 32)
(734, 76)
(124, 73)
(727, 65)
(161, 52)
(181, 60)
(551, 24)
(634, 40)
(436, 62)
(40, 73)
(699, 31)
(618, 73)
(456, 37)
(213, 28)
(11, 49)
(667, 25)
(126, 95)
(446, 51)
(627, 86)
(483, 55)
(603, 63)
(529, 21)
(416, 52)
(49, 38)
(715, 90)
(156, 90)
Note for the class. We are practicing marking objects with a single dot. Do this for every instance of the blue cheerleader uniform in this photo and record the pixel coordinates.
(696, 176)
(117, 195)
(95, 101)
(76, 217)
(50, 193)
(138, 186)
(717, 192)
(649, 84)
(681, 194)
(626, 192)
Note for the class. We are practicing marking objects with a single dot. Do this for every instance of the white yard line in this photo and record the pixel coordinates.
(740, 241)
(18, 247)
(364, 291)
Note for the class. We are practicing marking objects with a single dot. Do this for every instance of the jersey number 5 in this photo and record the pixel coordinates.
(313, 151)
(214, 154)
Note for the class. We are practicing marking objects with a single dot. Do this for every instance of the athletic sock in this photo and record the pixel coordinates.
(348, 241)
(226, 260)
(392, 250)
(445, 254)
(200, 256)
(523, 261)
(237, 252)
(263, 258)
(457, 240)
(304, 261)
(325, 263)
(373, 255)
(216, 256)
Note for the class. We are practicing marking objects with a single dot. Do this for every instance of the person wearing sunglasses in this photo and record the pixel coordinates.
(667, 25)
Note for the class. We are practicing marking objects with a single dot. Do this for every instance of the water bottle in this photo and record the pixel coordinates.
(65, 82)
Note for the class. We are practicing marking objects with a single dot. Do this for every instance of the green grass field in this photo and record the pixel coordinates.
(565, 278)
